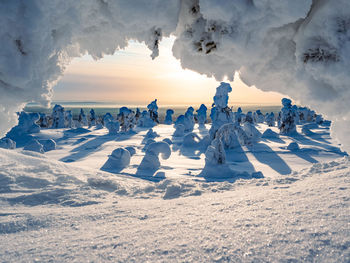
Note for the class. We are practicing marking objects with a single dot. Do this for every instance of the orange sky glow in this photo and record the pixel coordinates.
(131, 77)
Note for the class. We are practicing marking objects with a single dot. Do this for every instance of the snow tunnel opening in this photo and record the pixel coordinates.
(265, 41)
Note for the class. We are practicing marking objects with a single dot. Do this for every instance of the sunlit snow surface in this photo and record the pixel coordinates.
(59, 206)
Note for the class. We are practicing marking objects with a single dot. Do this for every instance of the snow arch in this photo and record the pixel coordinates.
(300, 48)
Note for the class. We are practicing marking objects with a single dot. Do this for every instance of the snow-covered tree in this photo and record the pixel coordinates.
(58, 117)
(215, 153)
(180, 130)
(202, 115)
(106, 118)
(92, 117)
(153, 110)
(27, 124)
(82, 119)
(150, 161)
(43, 121)
(238, 115)
(220, 113)
(189, 119)
(69, 122)
(169, 116)
(227, 134)
(118, 160)
(186, 120)
(287, 118)
(248, 118)
(191, 139)
(126, 118)
(270, 119)
(258, 117)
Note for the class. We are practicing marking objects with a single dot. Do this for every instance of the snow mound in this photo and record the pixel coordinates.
(293, 146)
(118, 160)
(35, 146)
(191, 140)
(7, 143)
(180, 130)
(151, 160)
(48, 145)
(131, 150)
(268, 133)
(168, 141)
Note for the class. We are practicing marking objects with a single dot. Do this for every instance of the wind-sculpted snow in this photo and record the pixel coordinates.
(300, 48)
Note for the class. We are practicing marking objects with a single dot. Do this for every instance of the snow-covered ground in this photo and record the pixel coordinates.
(60, 206)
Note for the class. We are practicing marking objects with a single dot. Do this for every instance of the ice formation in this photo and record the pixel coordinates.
(220, 113)
(118, 160)
(299, 48)
(202, 114)
(169, 116)
(287, 118)
(58, 117)
(151, 161)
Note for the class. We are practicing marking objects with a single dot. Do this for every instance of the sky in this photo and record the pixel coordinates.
(131, 77)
